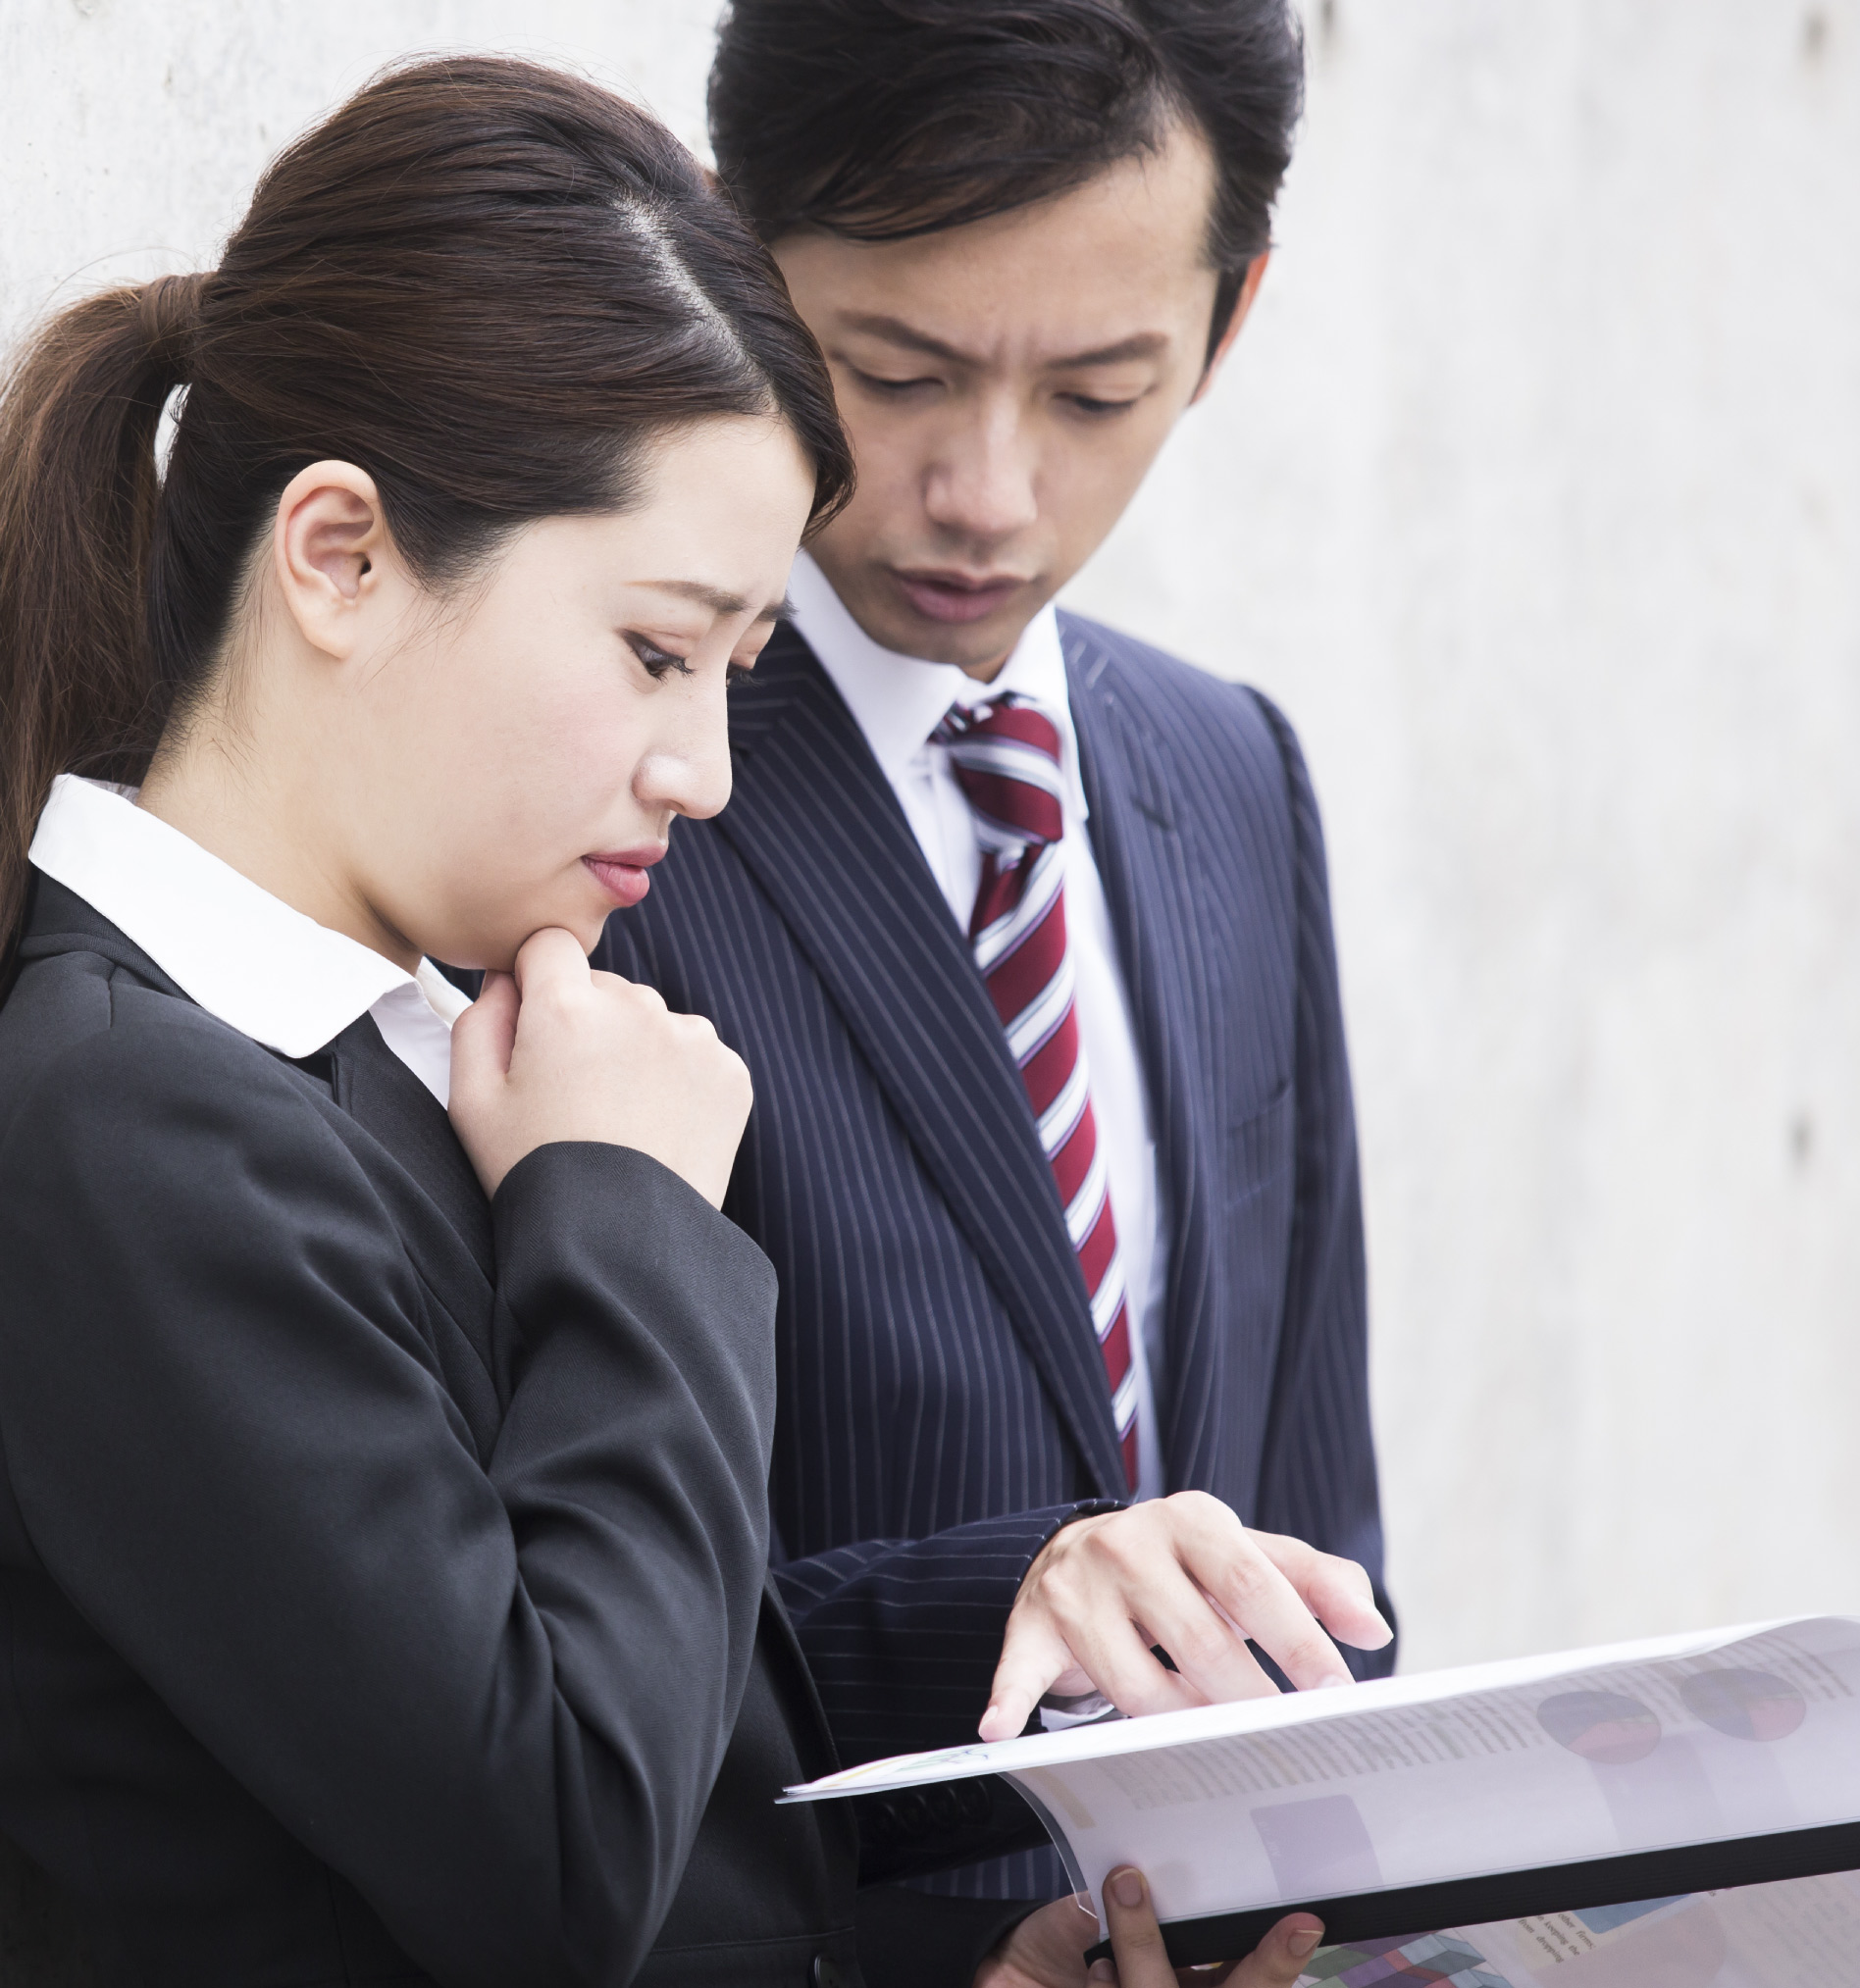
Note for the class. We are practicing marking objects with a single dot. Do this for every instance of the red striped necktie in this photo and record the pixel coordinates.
(1005, 758)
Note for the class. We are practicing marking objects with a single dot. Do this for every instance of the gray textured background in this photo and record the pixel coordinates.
(1535, 496)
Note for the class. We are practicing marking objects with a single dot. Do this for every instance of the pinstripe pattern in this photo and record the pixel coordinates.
(938, 1367)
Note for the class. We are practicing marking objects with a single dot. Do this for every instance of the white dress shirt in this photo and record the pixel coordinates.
(242, 955)
(898, 701)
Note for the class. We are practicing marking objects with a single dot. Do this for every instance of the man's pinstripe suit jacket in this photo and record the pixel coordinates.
(943, 1402)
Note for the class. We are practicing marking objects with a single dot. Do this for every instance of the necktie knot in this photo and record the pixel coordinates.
(1004, 755)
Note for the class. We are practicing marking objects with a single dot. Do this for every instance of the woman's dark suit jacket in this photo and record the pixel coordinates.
(383, 1570)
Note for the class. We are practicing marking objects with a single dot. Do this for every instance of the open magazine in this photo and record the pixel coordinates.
(1554, 1811)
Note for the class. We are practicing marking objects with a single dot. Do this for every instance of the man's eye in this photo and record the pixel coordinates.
(658, 662)
(1086, 405)
(736, 674)
(892, 389)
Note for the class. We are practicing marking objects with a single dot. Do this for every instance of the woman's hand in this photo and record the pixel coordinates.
(1047, 1950)
(558, 1051)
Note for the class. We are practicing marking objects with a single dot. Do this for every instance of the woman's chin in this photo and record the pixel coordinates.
(496, 950)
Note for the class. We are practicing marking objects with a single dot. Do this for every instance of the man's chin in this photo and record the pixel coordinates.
(886, 613)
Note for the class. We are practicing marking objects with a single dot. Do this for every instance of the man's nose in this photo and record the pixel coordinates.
(982, 482)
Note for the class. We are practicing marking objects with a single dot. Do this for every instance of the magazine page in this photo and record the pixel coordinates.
(1801, 1934)
(1414, 1781)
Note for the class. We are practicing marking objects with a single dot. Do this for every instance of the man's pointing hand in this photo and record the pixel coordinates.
(1185, 1574)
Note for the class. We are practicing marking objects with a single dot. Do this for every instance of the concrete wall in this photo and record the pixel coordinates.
(1535, 496)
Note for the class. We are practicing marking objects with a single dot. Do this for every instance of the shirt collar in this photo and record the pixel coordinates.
(898, 700)
(229, 945)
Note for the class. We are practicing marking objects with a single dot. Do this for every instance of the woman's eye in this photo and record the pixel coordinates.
(658, 662)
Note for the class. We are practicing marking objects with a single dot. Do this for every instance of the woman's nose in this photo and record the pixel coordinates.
(689, 775)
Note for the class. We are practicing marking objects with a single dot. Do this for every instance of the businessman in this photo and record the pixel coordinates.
(1021, 925)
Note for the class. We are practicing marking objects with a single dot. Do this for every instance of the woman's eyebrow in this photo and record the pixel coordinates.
(719, 599)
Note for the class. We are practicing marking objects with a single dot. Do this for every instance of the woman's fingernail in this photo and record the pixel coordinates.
(1304, 1941)
(1126, 1887)
(1103, 1970)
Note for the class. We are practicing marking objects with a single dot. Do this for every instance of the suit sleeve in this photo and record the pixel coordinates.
(909, 1939)
(1318, 1478)
(903, 1636)
(492, 1691)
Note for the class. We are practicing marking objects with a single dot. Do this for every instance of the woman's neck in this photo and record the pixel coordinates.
(224, 792)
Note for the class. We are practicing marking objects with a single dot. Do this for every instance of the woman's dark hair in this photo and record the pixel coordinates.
(488, 285)
(878, 119)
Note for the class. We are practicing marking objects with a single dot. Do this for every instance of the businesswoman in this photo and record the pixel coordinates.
(382, 1524)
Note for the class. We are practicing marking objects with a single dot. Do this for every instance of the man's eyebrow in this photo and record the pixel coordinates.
(895, 332)
(1139, 345)
(719, 599)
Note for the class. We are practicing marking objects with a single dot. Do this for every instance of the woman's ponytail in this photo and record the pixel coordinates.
(80, 686)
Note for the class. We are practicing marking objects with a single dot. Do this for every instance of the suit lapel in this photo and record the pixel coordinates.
(442, 1208)
(816, 823)
(387, 1101)
(1148, 878)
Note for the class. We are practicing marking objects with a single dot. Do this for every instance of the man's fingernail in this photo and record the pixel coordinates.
(1103, 1970)
(1304, 1941)
(1331, 1683)
(1126, 1887)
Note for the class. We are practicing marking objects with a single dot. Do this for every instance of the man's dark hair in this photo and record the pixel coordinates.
(877, 120)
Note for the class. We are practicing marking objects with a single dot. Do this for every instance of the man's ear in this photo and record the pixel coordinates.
(1249, 289)
(328, 550)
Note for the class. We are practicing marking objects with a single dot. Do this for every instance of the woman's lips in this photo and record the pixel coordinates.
(623, 873)
(955, 597)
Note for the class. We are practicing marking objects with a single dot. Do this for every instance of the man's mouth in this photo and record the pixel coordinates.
(948, 595)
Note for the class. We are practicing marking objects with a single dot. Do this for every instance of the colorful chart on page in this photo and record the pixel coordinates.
(1443, 1958)
(1602, 1727)
(1611, 1918)
(1743, 1704)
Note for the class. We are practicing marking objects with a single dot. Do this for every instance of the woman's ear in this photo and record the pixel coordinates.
(329, 547)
